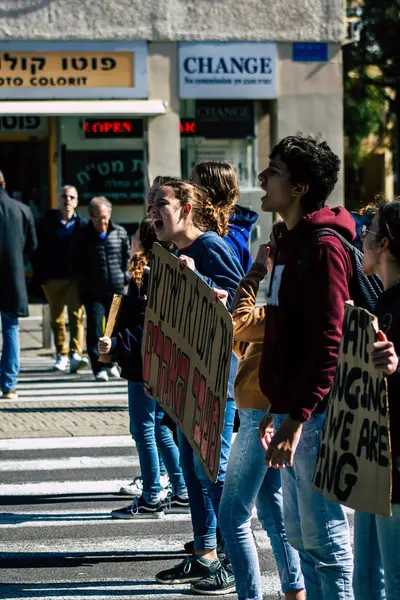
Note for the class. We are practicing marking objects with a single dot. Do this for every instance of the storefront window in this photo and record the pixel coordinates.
(219, 130)
(103, 157)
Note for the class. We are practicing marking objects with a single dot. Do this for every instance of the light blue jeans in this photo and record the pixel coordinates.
(316, 527)
(145, 416)
(9, 364)
(377, 556)
(249, 482)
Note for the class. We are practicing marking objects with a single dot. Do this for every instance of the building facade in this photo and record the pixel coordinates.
(107, 95)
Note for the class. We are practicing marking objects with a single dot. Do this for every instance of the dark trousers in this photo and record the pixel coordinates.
(97, 310)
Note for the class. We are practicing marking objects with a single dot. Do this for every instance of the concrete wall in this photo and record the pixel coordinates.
(156, 20)
(310, 101)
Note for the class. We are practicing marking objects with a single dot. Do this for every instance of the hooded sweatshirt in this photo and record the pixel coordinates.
(305, 316)
(240, 224)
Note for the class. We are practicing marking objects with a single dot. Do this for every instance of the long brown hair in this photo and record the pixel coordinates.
(140, 260)
(220, 180)
(205, 215)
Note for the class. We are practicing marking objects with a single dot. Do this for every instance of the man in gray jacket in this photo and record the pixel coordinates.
(17, 243)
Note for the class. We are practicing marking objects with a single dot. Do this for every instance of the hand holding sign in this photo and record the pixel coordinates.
(186, 261)
(217, 294)
(104, 345)
(282, 447)
(384, 355)
(264, 256)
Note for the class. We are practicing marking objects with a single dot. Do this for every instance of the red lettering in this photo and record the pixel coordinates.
(190, 127)
(159, 345)
(165, 368)
(214, 435)
(126, 127)
(148, 351)
(184, 369)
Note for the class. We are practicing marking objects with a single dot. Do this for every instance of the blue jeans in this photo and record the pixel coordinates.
(316, 527)
(145, 416)
(205, 496)
(249, 482)
(377, 556)
(9, 364)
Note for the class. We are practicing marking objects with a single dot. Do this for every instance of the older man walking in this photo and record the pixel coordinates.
(17, 242)
(53, 271)
(100, 263)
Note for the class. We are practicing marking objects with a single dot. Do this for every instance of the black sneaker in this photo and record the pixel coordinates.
(217, 583)
(188, 571)
(189, 548)
(139, 509)
(176, 504)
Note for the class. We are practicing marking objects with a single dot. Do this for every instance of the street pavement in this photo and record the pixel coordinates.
(64, 453)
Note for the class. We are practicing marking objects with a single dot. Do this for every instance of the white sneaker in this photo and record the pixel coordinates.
(101, 376)
(114, 372)
(135, 488)
(61, 362)
(77, 363)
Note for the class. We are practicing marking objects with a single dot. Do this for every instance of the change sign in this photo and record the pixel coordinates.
(354, 466)
(187, 349)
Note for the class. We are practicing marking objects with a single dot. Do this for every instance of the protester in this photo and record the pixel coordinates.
(377, 538)
(248, 481)
(17, 242)
(184, 214)
(100, 265)
(145, 414)
(54, 272)
(301, 343)
(220, 180)
(157, 182)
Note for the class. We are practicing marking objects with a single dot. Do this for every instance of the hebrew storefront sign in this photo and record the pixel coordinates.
(73, 70)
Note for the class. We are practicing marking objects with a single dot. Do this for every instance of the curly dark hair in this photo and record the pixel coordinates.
(309, 162)
(389, 225)
(140, 260)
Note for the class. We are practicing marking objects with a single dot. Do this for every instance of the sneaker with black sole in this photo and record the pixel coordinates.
(189, 549)
(189, 570)
(176, 504)
(217, 583)
(139, 509)
(135, 488)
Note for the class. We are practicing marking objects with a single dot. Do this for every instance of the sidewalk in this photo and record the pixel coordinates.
(53, 404)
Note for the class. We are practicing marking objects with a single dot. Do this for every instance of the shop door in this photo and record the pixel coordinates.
(25, 168)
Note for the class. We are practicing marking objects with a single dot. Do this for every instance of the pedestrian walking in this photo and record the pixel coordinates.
(377, 538)
(184, 214)
(152, 437)
(100, 259)
(248, 481)
(53, 270)
(301, 343)
(17, 242)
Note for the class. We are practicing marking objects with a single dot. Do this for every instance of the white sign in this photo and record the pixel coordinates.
(227, 70)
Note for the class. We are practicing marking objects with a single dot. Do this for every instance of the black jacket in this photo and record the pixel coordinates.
(17, 242)
(127, 343)
(100, 265)
(388, 312)
(53, 257)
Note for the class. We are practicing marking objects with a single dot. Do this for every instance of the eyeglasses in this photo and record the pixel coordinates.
(365, 232)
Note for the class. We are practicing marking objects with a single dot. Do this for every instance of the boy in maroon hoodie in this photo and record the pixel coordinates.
(301, 343)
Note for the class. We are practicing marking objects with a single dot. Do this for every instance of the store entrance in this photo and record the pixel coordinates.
(25, 164)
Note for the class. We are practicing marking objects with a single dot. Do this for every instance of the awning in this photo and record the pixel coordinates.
(83, 108)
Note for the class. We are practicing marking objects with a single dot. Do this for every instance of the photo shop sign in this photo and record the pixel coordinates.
(186, 351)
(353, 466)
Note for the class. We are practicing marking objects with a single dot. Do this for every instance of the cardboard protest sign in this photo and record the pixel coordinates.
(354, 463)
(111, 324)
(186, 351)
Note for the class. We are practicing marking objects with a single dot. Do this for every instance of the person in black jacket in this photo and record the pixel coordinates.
(53, 271)
(376, 537)
(145, 414)
(100, 260)
(17, 242)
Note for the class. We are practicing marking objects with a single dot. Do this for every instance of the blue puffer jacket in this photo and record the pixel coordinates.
(240, 224)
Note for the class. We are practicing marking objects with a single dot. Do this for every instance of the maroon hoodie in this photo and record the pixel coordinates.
(305, 314)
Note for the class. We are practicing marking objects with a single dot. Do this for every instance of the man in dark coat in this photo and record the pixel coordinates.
(17, 242)
(100, 264)
(53, 271)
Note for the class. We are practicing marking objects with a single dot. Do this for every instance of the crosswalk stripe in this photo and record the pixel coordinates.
(71, 396)
(57, 488)
(171, 542)
(101, 441)
(21, 520)
(68, 463)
